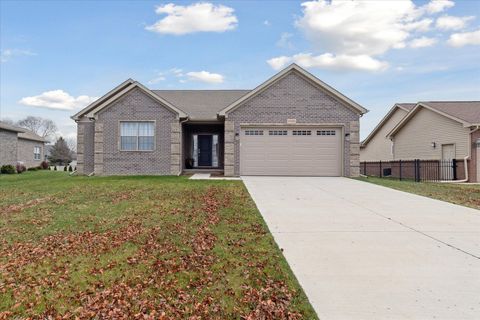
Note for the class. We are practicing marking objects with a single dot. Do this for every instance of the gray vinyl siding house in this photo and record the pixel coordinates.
(18, 145)
(292, 124)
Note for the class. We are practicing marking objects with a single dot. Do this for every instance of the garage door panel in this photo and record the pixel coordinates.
(300, 154)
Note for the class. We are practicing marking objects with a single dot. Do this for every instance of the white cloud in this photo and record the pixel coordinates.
(267, 23)
(8, 54)
(158, 78)
(358, 27)
(197, 17)
(284, 41)
(436, 6)
(354, 34)
(452, 23)
(464, 38)
(278, 63)
(421, 25)
(177, 72)
(330, 61)
(422, 42)
(205, 76)
(57, 99)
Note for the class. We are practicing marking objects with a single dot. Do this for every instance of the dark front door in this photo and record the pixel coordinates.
(205, 150)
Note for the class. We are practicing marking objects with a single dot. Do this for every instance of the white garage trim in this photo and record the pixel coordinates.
(310, 130)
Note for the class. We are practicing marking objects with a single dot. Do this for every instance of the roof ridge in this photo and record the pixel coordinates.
(449, 101)
(201, 89)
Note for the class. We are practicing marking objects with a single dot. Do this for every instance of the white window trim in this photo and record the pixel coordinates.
(120, 136)
(35, 153)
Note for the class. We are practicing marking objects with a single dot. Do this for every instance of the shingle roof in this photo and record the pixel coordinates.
(28, 135)
(201, 104)
(9, 127)
(468, 111)
(22, 132)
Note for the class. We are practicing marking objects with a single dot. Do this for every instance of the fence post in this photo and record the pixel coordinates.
(454, 166)
(400, 169)
(417, 170)
(380, 168)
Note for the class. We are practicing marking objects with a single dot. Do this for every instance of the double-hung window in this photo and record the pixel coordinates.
(137, 135)
(37, 153)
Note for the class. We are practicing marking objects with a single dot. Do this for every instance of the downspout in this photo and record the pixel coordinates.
(181, 144)
(465, 160)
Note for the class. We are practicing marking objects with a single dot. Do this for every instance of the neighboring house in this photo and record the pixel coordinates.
(19, 145)
(292, 124)
(377, 147)
(433, 130)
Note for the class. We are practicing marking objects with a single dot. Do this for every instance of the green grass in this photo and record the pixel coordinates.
(140, 246)
(462, 194)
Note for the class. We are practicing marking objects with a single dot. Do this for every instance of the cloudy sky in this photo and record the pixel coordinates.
(56, 57)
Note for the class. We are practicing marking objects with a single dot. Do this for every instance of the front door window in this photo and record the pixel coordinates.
(205, 150)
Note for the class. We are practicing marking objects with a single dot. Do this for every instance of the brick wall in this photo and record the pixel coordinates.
(292, 97)
(25, 152)
(136, 105)
(85, 146)
(8, 147)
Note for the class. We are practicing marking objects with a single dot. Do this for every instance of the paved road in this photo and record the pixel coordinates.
(362, 251)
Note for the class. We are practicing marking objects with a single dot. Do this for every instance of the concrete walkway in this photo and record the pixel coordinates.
(362, 251)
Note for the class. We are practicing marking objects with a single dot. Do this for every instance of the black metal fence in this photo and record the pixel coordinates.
(417, 170)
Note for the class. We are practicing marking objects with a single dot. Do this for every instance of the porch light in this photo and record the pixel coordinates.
(434, 145)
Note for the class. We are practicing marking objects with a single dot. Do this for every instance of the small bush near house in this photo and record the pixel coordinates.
(21, 168)
(44, 165)
(55, 168)
(70, 169)
(64, 168)
(8, 169)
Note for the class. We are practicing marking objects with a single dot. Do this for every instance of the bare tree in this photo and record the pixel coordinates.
(71, 143)
(43, 127)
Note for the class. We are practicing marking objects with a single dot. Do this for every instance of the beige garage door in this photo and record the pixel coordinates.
(312, 151)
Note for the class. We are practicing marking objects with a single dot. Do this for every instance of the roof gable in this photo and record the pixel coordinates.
(407, 107)
(472, 107)
(293, 68)
(92, 110)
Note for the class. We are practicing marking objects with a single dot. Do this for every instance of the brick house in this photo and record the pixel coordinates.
(19, 145)
(292, 124)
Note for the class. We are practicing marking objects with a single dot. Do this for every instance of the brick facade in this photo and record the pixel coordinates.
(85, 146)
(293, 97)
(14, 149)
(25, 152)
(8, 147)
(134, 106)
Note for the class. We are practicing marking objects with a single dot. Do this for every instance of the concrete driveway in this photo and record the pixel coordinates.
(362, 251)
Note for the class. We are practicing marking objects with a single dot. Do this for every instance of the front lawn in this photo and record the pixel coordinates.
(139, 248)
(463, 194)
